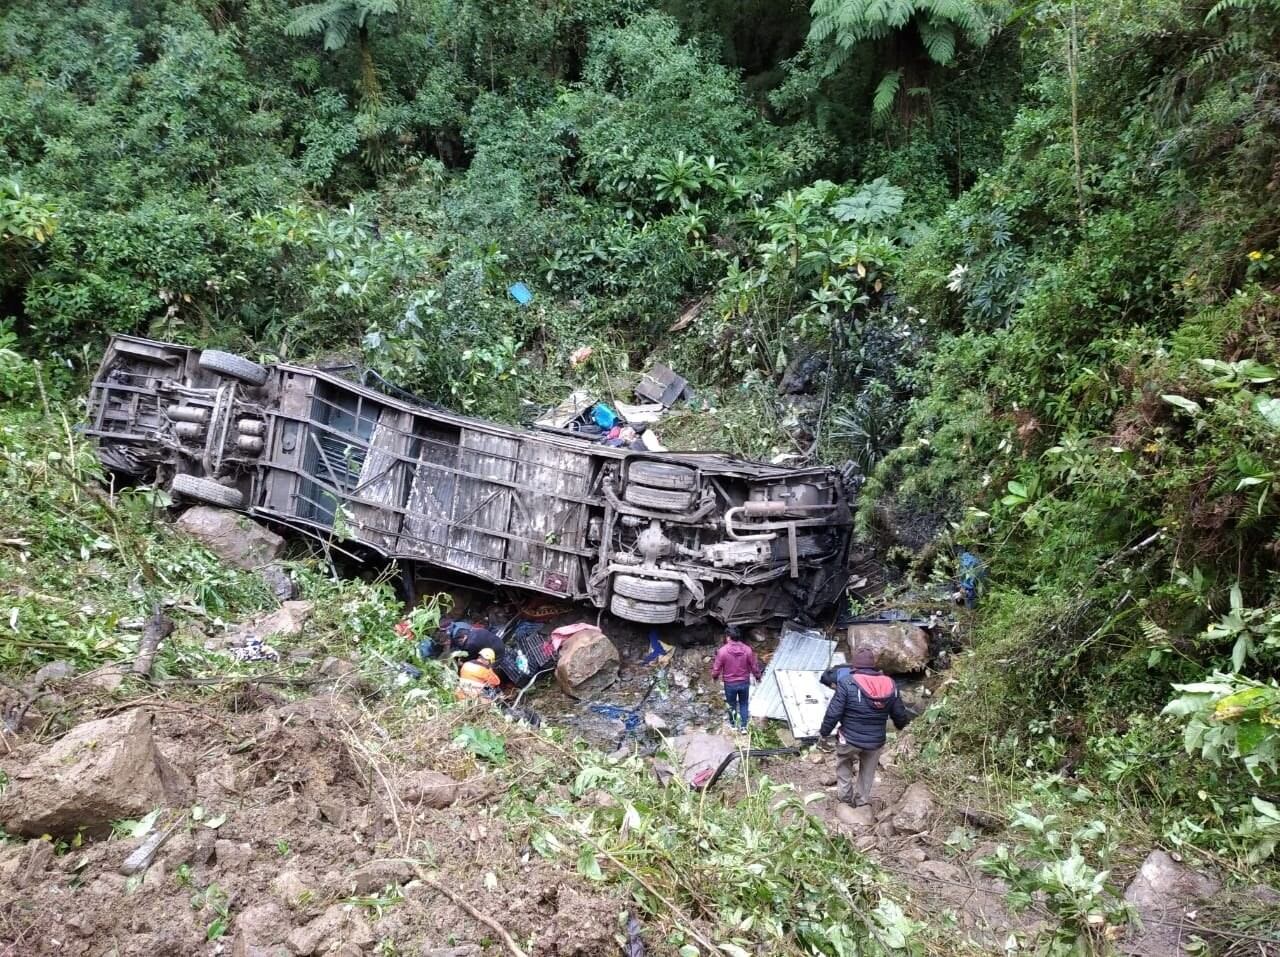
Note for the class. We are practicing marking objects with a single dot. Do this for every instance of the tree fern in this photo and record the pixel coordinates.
(336, 19)
(838, 27)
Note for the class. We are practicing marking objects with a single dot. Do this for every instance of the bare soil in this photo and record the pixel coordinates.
(304, 805)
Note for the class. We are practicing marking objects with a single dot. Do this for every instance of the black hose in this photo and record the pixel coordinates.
(751, 753)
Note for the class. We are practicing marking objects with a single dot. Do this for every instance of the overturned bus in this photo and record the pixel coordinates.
(653, 537)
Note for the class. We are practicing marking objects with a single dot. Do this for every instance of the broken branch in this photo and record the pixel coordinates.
(488, 921)
(159, 627)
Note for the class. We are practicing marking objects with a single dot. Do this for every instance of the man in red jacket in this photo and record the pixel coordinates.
(736, 664)
(866, 699)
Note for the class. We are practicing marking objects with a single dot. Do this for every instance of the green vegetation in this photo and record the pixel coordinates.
(1028, 255)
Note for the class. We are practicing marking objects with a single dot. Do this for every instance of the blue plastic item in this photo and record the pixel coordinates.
(604, 416)
(630, 718)
(520, 293)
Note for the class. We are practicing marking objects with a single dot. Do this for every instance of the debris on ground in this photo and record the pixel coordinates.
(700, 754)
(286, 621)
(663, 386)
(799, 650)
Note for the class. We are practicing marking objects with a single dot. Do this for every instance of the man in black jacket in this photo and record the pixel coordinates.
(865, 699)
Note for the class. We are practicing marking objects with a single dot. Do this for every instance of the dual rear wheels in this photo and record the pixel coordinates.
(652, 601)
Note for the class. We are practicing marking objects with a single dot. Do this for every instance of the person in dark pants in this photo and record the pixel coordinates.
(865, 699)
(736, 664)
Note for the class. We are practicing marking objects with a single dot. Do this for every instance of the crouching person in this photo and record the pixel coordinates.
(865, 699)
(477, 678)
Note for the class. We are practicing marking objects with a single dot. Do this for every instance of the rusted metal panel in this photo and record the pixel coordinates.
(545, 515)
(380, 494)
(482, 503)
(425, 530)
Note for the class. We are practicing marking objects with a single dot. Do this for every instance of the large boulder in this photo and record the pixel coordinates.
(700, 755)
(899, 647)
(588, 663)
(99, 772)
(237, 539)
(1162, 892)
(915, 810)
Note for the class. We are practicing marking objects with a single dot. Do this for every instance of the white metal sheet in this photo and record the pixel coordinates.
(799, 649)
(805, 700)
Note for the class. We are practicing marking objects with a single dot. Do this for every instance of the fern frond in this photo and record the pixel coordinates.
(886, 93)
(311, 18)
(939, 38)
(1153, 633)
(338, 29)
(1241, 6)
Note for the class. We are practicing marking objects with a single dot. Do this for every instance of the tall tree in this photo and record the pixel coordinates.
(336, 20)
(899, 35)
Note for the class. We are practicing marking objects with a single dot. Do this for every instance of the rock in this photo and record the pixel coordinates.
(232, 854)
(429, 789)
(335, 812)
(34, 860)
(53, 671)
(859, 817)
(700, 755)
(827, 779)
(291, 887)
(108, 678)
(655, 722)
(866, 842)
(915, 810)
(899, 647)
(285, 621)
(154, 879)
(280, 582)
(1163, 890)
(237, 539)
(885, 830)
(940, 870)
(463, 950)
(913, 855)
(333, 667)
(99, 772)
(376, 875)
(802, 372)
(215, 783)
(258, 928)
(588, 663)
(336, 926)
